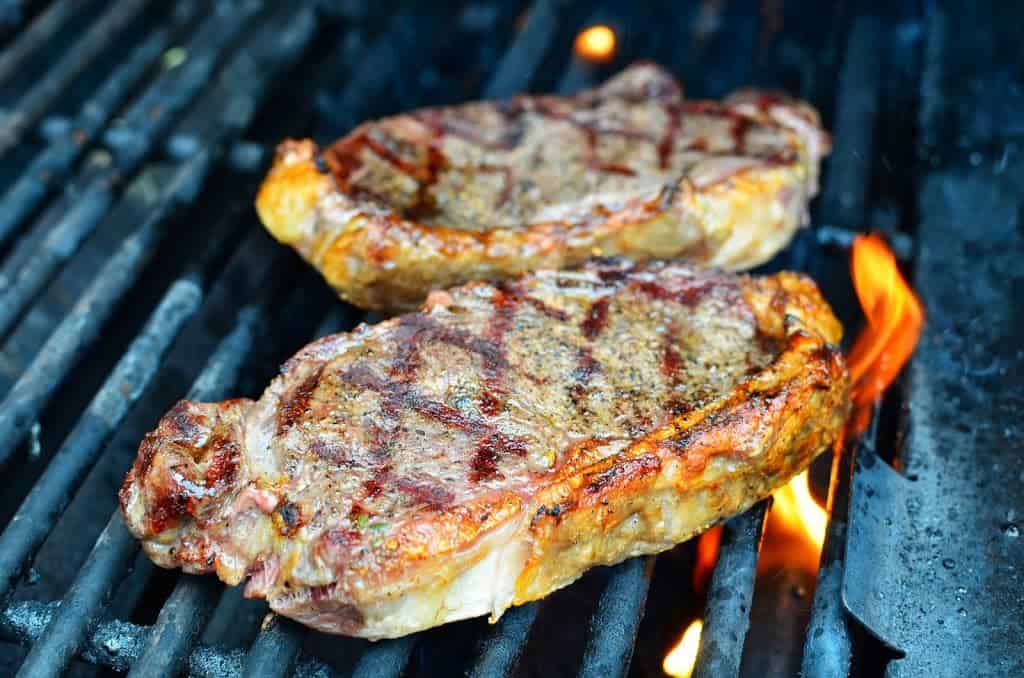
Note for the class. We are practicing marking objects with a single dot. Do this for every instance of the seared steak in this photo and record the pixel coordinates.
(490, 448)
(489, 190)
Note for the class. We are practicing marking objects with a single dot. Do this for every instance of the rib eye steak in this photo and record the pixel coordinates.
(490, 448)
(490, 190)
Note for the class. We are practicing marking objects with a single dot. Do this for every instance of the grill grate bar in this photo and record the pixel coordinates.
(52, 165)
(501, 647)
(843, 200)
(727, 612)
(65, 472)
(43, 94)
(615, 623)
(276, 649)
(37, 35)
(828, 643)
(111, 557)
(148, 119)
(117, 644)
(181, 619)
(77, 333)
(82, 327)
(524, 56)
(386, 659)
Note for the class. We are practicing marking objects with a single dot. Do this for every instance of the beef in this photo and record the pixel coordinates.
(490, 190)
(490, 448)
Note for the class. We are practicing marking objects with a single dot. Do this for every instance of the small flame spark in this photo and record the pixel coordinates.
(682, 658)
(596, 44)
(894, 319)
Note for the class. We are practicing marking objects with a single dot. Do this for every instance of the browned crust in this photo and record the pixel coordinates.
(377, 257)
(666, 486)
(771, 427)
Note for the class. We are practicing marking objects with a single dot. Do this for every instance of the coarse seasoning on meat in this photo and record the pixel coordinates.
(490, 190)
(490, 448)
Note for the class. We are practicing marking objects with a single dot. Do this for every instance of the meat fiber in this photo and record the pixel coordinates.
(490, 190)
(492, 447)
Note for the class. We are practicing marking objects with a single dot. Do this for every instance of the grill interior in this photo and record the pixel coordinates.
(133, 134)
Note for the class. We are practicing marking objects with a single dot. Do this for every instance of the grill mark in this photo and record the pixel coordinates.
(440, 126)
(586, 367)
(740, 127)
(623, 471)
(373, 486)
(549, 311)
(224, 463)
(597, 318)
(294, 407)
(689, 294)
(414, 329)
(506, 302)
(489, 451)
(671, 364)
(401, 395)
(346, 160)
(328, 451)
(433, 496)
(668, 140)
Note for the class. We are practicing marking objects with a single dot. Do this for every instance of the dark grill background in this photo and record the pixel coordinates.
(132, 271)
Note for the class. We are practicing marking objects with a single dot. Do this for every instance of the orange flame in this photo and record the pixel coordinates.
(795, 531)
(796, 525)
(681, 659)
(894, 319)
(596, 44)
(707, 556)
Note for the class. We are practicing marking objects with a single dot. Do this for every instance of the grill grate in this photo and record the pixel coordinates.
(155, 138)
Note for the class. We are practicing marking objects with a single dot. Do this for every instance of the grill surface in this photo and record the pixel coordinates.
(132, 136)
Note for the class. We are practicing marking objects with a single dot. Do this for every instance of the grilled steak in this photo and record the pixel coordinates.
(490, 448)
(485, 191)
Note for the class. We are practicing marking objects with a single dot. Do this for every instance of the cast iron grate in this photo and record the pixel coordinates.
(152, 119)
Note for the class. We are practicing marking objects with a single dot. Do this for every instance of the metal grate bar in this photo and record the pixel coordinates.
(149, 118)
(844, 196)
(619, 612)
(34, 103)
(181, 619)
(386, 659)
(727, 612)
(276, 649)
(111, 557)
(524, 57)
(38, 34)
(52, 165)
(81, 328)
(828, 643)
(65, 472)
(30, 393)
(48, 498)
(117, 644)
(501, 647)
(109, 560)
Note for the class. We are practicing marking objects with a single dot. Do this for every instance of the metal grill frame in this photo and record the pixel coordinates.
(242, 48)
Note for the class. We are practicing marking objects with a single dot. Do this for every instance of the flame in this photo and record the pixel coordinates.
(596, 44)
(681, 659)
(796, 507)
(707, 556)
(894, 319)
(795, 530)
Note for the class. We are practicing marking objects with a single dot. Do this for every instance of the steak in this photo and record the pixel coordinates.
(490, 190)
(490, 448)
